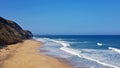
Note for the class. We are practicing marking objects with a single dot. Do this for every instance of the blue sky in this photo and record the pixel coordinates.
(64, 16)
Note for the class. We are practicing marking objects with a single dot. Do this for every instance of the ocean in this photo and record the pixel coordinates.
(83, 51)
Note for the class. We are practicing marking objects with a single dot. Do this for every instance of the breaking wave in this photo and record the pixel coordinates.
(114, 49)
(65, 47)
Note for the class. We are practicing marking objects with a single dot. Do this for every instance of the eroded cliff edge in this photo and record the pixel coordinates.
(11, 32)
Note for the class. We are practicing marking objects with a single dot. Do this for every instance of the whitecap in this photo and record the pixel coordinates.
(78, 52)
(99, 44)
(114, 49)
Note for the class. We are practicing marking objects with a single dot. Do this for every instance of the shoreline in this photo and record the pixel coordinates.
(27, 55)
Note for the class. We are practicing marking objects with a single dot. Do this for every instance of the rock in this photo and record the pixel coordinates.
(11, 32)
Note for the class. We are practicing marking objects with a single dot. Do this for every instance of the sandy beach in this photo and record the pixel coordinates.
(27, 55)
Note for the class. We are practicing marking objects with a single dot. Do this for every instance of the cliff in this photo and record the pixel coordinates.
(11, 32)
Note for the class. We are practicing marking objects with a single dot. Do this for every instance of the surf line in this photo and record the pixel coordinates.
(76, 52)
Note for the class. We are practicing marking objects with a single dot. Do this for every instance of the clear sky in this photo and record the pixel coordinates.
(64, 16)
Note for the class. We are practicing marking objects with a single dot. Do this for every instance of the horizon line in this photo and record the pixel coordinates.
(70, 34)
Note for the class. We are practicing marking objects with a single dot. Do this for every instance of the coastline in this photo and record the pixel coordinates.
(27, 55)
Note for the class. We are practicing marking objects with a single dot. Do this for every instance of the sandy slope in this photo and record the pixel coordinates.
(27, 55)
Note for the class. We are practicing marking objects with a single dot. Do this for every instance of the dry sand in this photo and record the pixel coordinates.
(27, 55)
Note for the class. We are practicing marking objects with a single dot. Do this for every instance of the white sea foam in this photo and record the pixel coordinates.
(66, 49)
(43, 40)
(105, 64)
(65, 44)
(79, 53)
(114, 49)
(79, 42)
(71, 51)
(99, 44)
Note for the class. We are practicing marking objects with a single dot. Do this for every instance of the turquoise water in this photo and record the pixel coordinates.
(88, 51)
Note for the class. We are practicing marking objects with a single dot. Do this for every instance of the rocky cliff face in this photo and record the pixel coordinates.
(11, 32)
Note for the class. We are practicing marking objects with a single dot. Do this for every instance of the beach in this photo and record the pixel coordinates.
(27, 55)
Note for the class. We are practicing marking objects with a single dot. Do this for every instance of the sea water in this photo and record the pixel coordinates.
(83, 51)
